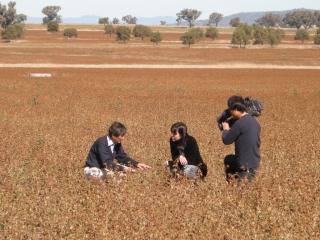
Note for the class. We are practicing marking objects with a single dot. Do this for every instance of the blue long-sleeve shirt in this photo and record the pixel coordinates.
(245, 133)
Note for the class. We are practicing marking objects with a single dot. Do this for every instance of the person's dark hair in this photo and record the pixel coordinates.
(179, 127)
(235, 99)
(238, 106)
(117, 129)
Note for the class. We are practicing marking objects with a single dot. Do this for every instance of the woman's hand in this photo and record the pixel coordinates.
(183, 160)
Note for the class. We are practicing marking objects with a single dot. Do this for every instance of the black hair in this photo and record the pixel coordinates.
(235, 99)
(238, 106)
(181, 128)
(117, 129)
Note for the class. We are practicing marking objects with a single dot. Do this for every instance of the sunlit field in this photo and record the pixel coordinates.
(48, 125)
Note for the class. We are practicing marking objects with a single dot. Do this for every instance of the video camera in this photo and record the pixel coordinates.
(253, 107)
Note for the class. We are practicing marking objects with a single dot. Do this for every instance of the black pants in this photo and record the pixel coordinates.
(234, 170)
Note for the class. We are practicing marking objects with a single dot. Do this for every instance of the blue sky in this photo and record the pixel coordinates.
(149, 8)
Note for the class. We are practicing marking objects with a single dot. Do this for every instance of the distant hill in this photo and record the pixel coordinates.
(245, 17)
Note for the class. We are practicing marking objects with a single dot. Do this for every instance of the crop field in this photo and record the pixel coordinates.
(48, 125)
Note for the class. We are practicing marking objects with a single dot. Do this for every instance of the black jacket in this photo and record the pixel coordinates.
(100, 155)
(189, 148)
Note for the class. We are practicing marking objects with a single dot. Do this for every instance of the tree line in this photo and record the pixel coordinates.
(264, 31)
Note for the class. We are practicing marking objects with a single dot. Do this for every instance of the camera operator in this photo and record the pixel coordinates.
(245, 133)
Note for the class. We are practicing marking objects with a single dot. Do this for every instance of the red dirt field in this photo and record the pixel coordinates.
(48, 125)
(96, 48)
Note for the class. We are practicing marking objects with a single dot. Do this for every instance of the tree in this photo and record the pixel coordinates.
(242, 35)
(156, 38)
(235, 22)
(162, 23)
(109, 29)
(52, 26)
(9, 16)
(215, 18)
(141, 31)
(259, 35)
(129, 19)
(274, 36)
(300, 18)
(269, 20)
(189, 15)
(11, 33)
(317, 37)
(104, 20)
(115, 21)
(302, 35)
(123, 33)
(51, 13)
(70, 32)
(192, 36)
(263, 35)
(212, 33)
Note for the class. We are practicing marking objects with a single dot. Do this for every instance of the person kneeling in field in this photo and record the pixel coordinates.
(245, 134)
(107, 155)
(186, 158)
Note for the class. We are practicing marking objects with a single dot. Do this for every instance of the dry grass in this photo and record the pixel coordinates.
(48, 125)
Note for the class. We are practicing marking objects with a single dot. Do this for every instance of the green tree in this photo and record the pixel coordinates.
(141, 31)
(156, 38)
(10, 33)
(123, 33)
(259, 35)
(189, 15)
(104, 20)
(115, 21)
(269, 20)
(235, 22)
(70, 32)
(317, 37)
(129, 19)
(109, 29)
(215, 18)
(302, 35)
(162, 23)
(300, 18)
(9, 16)
(242, 35)
(212, 33)
(52, 26)
(197, 33)
(274, 36)
(192, 36)
(51, 13)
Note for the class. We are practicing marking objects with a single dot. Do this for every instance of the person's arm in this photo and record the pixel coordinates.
(230, 135)
(177, 152)
(123, 158)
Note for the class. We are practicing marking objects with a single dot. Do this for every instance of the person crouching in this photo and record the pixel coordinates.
(186, 158)
(107, 155)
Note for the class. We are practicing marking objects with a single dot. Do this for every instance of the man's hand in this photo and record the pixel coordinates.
(128, 169)
(143, 166)
(225, 126)
(183, 160)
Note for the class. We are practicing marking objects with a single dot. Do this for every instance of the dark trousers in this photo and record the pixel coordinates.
(234, 170)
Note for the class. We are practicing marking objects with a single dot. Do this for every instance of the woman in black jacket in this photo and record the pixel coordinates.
(185, 153)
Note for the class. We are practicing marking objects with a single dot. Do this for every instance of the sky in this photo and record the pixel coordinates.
(149, 8)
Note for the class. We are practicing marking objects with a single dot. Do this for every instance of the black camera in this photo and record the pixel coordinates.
(225, 117)
(253, 107)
